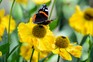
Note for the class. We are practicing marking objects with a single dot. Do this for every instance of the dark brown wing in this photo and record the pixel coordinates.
(39, 18)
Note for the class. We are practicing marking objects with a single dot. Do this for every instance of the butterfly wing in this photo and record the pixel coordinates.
(47, 22)
(39, 18)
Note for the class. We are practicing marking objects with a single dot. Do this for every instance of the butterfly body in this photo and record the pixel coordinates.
(42, 16)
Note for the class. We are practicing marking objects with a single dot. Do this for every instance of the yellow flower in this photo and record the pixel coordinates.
(22, 1)
(0, 53)
(41, 55)
(40, 1)
(4, 22)
(64, 48)
(2, 12)
(1, 26)
(37, 35)
(26, 52)
(1, 31)
(82, 21)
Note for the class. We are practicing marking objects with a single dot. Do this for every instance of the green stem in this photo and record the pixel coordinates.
(78, 59)
(46, 58)
(52, 8)
(10, 20)
(9, 28)
(13, 50)
(58, 58)
(32, 54)
(24, 60)
(38, 56)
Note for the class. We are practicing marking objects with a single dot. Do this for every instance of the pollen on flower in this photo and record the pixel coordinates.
(62, 42)
(39, 31)
(88, 14)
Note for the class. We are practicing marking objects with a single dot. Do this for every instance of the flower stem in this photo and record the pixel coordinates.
(9, 28)
(38, 56)
(49, 56)
(24, 60)
(10, 20)
(58, 58)
(78, 59)
(32, 54)
(52, 9)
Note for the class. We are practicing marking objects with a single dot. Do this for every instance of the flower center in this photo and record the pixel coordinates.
(39, 31)
(62, 42)
(88, 15)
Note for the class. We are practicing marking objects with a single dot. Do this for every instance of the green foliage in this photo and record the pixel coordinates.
(84, 39)
(0, 1)
(91, 54)
(17, 12)
(85, 50)
(53, 24)
(4, 48)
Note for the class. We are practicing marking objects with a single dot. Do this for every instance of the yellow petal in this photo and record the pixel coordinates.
(64, 54)
(46, 44)
(40, 1)
(22, 1)
(25, 52)
(5, 22)
(75, 50)
(56, 51)
(24, 33)
(2, 12)
(42, 54)
(77, 9)
(1, 31)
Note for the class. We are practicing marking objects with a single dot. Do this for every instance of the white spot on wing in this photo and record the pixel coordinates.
(46, 10)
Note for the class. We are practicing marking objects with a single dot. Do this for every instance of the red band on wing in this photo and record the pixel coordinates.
(43, 13)
(33, 18)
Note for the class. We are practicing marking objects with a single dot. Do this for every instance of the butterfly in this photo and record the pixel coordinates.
(42, 16)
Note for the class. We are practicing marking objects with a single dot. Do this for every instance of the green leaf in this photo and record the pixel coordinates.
(67, 13)
(48, 3)
(91, 55)
(83, 2)
(17, 13)
(84, 39)
(91, 39)
(85, 50)
(0, 1)
(4, 48)
(73, 37)
(53, 24)
(15, 56)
